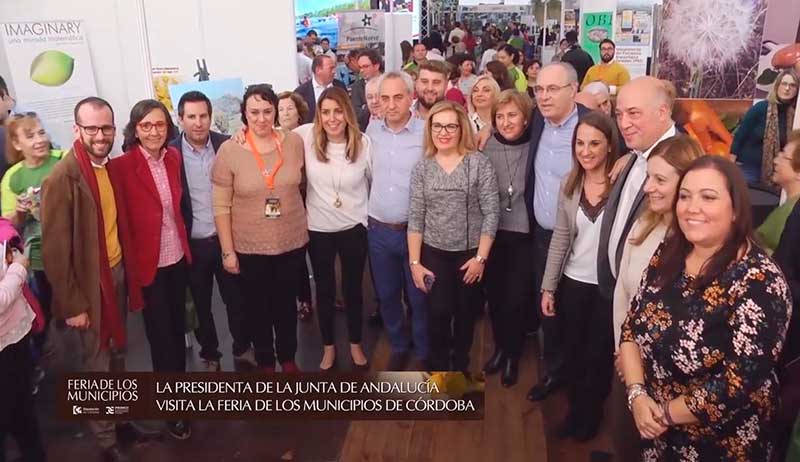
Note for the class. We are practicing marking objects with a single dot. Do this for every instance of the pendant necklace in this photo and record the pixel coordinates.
(338, 202)
(511, 177)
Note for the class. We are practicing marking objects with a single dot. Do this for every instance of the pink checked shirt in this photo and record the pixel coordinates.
(171, 250)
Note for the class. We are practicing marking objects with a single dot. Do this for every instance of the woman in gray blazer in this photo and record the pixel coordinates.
(569, 287)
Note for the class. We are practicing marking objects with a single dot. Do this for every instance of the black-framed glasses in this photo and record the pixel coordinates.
(448, 128)
(551, 89)
(92, 130)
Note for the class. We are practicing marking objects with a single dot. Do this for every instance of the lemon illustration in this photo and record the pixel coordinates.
(52, 68)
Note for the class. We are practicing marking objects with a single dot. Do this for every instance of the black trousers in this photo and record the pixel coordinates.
(584, 320)
(453, 308)
(18, 415)
(351, 246)
(269, 285)
(304, 292)
(508, 276)
(552, 351)
(207, 266)
(44, 293)
(165, 318)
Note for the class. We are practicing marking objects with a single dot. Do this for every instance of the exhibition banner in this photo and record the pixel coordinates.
(226, 99)
(710, 48)
(51, 70)
(595, 28)
(362, 29)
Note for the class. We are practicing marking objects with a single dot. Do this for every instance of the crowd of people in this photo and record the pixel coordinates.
(524, 191)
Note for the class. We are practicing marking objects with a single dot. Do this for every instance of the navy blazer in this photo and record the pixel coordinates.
(186, 201)
(306, 91)
(537, 127)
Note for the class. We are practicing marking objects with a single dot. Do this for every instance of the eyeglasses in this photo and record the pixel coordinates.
(448, 128)
(149, 126)
(788, 85)
(92, 130)
(551, 89)
(20, 115)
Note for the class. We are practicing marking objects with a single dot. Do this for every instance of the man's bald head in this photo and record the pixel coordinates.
(643, 112)
(588, 100)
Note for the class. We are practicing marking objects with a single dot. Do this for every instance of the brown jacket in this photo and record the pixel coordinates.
(69, 243)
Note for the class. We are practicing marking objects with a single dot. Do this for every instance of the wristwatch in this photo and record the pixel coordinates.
(480, 259)
(413, 263)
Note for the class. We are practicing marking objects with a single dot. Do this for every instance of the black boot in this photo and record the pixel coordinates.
(495, 363)
(510, 372)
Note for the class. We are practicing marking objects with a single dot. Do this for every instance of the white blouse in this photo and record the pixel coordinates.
(582, 262)
(338, 178)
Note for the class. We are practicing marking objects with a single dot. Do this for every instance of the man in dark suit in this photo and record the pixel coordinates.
(577, 56)
(369, 65)
(324, 70)
(644, 118)
(550, 160)
(198, 146)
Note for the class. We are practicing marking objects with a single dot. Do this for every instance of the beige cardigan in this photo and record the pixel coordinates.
(563, 237)
(635, 259)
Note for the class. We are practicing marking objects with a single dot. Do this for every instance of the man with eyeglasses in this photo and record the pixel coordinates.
(86, 248)
(369, 64)
(550, 159)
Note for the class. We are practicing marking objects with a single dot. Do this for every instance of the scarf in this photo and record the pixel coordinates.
(772, 139)
(111, 327)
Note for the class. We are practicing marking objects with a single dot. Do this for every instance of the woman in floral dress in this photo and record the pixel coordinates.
(702, 337)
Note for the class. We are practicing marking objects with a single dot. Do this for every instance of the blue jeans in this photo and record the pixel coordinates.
(388, 256)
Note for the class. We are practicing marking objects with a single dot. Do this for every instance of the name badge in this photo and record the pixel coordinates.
(273, 208)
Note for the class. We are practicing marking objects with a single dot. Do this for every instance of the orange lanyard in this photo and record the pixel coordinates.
(269, 178)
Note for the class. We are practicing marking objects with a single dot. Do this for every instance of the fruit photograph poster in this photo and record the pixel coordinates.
(51, 70)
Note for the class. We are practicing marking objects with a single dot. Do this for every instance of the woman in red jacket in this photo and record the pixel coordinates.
(152, 191)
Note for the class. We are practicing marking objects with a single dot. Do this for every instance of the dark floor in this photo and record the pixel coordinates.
(212, 441)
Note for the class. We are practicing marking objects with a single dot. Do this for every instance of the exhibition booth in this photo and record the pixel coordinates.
(722, 58)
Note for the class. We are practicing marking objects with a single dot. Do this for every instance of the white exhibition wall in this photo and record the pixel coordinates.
(251, 39)
(115, 34)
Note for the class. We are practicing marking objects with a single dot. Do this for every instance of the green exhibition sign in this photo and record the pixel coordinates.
(595, 28)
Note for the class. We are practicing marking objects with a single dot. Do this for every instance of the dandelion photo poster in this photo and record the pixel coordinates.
(710, 48)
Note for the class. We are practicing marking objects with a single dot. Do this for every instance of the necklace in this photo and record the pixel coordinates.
(510, 189)
(336, 188)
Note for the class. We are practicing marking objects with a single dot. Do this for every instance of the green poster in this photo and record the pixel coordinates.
(595, 28)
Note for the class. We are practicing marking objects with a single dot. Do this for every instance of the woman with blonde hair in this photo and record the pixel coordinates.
(481, 99)
(668, 160)
(573, 308)
(338, 171)
(763, 131)
(452, 220)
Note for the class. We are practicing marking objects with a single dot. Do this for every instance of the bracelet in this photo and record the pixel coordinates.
(667, 415)
(634, 391)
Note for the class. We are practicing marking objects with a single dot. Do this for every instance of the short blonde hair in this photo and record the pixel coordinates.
(517, 98)
(492, 84)
(466, 141)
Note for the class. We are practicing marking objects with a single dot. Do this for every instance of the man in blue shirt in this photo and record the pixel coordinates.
(397, 142)
(552, 126)
(198, 146)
